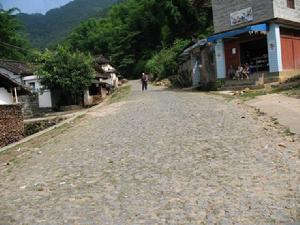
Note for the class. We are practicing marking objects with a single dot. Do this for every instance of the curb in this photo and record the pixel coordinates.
(67, 121)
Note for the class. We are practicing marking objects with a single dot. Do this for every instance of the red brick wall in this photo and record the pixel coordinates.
(11, 124)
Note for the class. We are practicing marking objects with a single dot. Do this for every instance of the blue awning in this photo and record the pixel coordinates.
(233, 33)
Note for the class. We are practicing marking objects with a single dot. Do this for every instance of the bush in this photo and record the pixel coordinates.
(165, 63)
(66, 70)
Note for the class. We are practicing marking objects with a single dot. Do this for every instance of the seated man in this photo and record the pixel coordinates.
(246, 71)
(239, 72)
(231, 72)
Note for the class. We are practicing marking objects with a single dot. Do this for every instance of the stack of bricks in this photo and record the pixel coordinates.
(11, 124)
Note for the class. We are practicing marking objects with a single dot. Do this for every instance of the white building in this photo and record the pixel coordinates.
(107, 73)
(10, 90)
(21, 73)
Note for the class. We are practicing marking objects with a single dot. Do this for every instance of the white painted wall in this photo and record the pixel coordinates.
(45, 100)
(196, 70)
(114, 79)
(6, 98)
(220, 59)
(274, 48)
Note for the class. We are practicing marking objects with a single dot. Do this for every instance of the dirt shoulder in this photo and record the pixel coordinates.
(285, 109)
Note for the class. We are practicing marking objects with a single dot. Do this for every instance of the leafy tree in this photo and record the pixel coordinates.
(165, 63)
(13, 42)
(66, 70)
(134, 30)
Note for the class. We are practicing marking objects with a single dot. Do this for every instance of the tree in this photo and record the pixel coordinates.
(134, 30)
(13, 42)
(66, 70)
(165, 63)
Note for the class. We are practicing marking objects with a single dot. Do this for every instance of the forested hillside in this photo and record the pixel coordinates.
(47, 30)
(134, 31)
(13, 42)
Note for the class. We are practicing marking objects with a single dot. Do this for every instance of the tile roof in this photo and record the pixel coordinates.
(16, 67)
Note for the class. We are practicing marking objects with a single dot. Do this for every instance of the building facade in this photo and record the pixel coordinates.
(21, 73)
(264, 34)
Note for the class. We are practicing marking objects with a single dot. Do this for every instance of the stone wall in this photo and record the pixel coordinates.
(262, 10)
(11, 124)
(30, 105)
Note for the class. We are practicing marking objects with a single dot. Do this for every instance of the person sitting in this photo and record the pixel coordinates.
(231, 72)
(246, 71)
(239, 72)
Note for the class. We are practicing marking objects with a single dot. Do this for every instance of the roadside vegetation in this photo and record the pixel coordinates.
(136, 33)
(291, 89)
(62, 69)
(120, 94)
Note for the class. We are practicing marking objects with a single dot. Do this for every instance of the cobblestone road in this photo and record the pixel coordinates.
(159, 157)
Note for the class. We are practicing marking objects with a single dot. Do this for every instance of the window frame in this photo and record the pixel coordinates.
(290, 4)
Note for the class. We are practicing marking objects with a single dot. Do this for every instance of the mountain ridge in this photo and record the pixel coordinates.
(33, 6)
(47, 30)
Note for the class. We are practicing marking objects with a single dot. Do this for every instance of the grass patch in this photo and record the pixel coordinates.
(253, 94)
(289, 90)
(120, 94)
(288, 132)
(293, 91)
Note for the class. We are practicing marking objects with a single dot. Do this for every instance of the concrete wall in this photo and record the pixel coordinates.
(282, 11)
(195, 70)
(30, 105)
(262, 10)
(11, 124)
(220, 60)
(44, 95)
(6, 98)
(87, 99)
(274, 48)
(185, 72)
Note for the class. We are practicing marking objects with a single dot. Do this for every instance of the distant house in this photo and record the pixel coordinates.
(105, 80)
(106, 73)
(22, 73)
(10, 90)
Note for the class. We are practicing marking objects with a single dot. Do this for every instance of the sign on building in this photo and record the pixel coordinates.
(242, 16)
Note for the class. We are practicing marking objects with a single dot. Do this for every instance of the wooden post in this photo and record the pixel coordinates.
(16, 95)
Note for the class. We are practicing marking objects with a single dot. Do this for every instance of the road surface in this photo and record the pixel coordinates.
(158, 157)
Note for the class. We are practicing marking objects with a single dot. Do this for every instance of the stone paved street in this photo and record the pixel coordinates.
(161, 157)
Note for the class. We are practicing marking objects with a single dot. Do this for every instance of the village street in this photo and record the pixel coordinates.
(159, 157)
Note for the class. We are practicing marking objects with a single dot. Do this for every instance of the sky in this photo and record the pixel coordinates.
(33, 6)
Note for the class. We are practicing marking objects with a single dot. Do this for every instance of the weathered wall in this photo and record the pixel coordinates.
(11, 124)
(30, 105)
(208, 70)
(282, 11)
(262, 10)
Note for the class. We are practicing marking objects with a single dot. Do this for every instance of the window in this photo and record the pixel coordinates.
(32, 86)
(291, 4)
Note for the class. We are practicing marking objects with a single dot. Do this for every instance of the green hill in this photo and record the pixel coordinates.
(47, 30)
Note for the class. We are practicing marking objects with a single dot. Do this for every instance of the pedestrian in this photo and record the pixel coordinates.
(144, 82)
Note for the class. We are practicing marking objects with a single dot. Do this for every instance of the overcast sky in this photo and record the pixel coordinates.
(33, 6)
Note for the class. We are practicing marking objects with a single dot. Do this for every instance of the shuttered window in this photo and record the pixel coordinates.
(291, 4)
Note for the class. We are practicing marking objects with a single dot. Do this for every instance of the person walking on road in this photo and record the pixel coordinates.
(144, 82)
